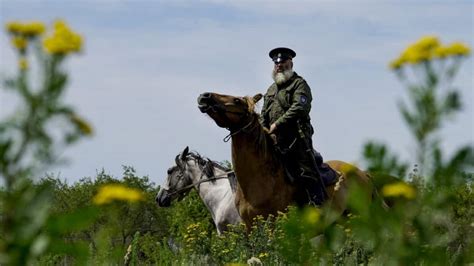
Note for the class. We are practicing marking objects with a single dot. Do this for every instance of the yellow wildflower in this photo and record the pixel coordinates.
(33, 28)
(23, 63)
(413, 55)
(111, 192)
(82, 125)
(441, 52)
(459, 49)
(427, 43)
(397, 63)
(399, 189)
(19, 42)
(63, 40)
(26, 29)
(311, 216)
(193, 226)
(14, 27)
(421, 50)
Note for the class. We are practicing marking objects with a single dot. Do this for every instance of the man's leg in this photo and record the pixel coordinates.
(310, 178)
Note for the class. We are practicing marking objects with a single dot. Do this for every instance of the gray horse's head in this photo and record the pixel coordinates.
(189, 167)
(177, 179)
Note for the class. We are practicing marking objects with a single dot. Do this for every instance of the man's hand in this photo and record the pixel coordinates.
(272, 128)
(272, 135)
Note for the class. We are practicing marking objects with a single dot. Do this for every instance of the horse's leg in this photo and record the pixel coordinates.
(221, 222)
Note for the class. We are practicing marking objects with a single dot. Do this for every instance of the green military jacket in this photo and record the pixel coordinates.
(286, 103)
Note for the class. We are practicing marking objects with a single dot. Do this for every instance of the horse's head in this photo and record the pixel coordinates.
(190, 168)
(228, 111)
(179, 177)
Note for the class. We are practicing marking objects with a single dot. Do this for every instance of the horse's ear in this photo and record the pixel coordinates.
(177, 160)
(184, 153)
(257, 97)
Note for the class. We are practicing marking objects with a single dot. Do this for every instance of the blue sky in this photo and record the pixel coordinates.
(145, 63)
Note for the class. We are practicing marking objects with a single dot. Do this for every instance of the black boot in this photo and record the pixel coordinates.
(316, 194)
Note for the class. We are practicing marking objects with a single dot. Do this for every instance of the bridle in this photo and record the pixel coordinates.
(244, 129)
(233, 131)
(222, 108)
(201, 180)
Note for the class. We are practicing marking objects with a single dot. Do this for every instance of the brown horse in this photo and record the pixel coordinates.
(262, 187)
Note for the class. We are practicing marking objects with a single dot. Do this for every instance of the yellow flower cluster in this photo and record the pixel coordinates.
(428, 48)
(63, 40)
(193, 227)
(31, 29)
(195, 234)
(399, 189)
(19, 42)
(111, 192)
(21, 32)
(455, 49)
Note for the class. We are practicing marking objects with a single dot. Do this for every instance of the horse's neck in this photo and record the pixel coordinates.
(213, 188)
(252, 158)
(214, 192)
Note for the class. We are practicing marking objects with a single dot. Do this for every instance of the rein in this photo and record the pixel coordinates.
(243, 129)
(200, 182)
(221, 108)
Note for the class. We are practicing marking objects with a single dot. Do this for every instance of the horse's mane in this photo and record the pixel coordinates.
(207, 165)
(263, 139)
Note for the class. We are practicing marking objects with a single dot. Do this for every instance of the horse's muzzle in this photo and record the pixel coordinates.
(163, 199)
(205, 102)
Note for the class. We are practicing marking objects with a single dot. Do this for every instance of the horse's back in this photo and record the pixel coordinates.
(348, 170)
(348, 175)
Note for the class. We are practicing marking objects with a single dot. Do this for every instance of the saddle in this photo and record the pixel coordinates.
(328, 175)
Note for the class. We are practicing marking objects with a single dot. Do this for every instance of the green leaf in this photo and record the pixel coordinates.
(73, 221)
(451, 103)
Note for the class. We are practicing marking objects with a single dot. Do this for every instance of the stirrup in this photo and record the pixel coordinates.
(314, 204)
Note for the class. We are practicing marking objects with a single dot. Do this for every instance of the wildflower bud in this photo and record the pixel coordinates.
(23, 63)
(20, 43)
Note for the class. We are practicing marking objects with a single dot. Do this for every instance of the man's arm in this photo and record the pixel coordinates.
(263, 119)
(266, 103)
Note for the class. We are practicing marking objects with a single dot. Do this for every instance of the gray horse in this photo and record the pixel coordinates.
(214, 183)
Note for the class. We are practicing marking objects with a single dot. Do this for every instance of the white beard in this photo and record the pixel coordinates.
(282, 77)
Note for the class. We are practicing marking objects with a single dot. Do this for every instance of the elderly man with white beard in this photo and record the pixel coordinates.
(286, 108)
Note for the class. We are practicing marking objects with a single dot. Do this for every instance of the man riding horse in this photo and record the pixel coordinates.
(285, 113)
